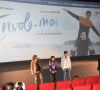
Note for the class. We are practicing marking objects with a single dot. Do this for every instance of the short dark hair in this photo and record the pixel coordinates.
(52, 57)
(75, 77)
(88, 12)
(65, 52)
(20, 83)
(34, 56)
(9, 84)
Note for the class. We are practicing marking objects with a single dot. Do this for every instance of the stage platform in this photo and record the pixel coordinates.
(21, 71)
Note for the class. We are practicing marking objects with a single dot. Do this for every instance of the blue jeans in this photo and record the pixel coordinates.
(67, 74)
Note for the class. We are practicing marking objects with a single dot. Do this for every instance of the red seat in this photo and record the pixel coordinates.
(96, 87)
(0, 88)
(31, 87)
(86, 87)
(46, 86)
(99, 80)
(65, 89)
(78, 82)
(62, 84)
(92, 80)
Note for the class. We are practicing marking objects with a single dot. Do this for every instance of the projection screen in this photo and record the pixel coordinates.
(48, 28)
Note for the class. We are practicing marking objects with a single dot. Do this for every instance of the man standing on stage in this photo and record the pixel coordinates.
(66, 66)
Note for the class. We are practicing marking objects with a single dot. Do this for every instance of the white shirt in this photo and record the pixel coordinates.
(65, 62)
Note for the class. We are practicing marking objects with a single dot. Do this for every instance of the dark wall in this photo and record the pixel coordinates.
(23, 65)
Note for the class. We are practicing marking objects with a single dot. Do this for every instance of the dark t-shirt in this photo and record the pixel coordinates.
(82, 49)
(38, 68)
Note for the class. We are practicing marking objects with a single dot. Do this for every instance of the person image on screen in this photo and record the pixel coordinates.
(82, 46)
(84, 26)
(36, 68)
(66, 66)
(53, 68)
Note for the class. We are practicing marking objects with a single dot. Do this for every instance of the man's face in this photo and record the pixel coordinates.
(66, 54)
(83, 36)
(88, 15)
(36, 59)
(53, 59)
(9, 87)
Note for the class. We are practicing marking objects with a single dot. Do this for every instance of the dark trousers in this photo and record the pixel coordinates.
(53, 77)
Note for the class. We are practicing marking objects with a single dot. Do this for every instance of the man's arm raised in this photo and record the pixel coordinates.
(71, 13)
(96, 31)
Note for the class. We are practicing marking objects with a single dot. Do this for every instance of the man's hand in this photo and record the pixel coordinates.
(32, 73)
(90, 48)
(64, 9)
(53, 72)
(38, 72)
(70, 69)
(63, 69)
(74, 49)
